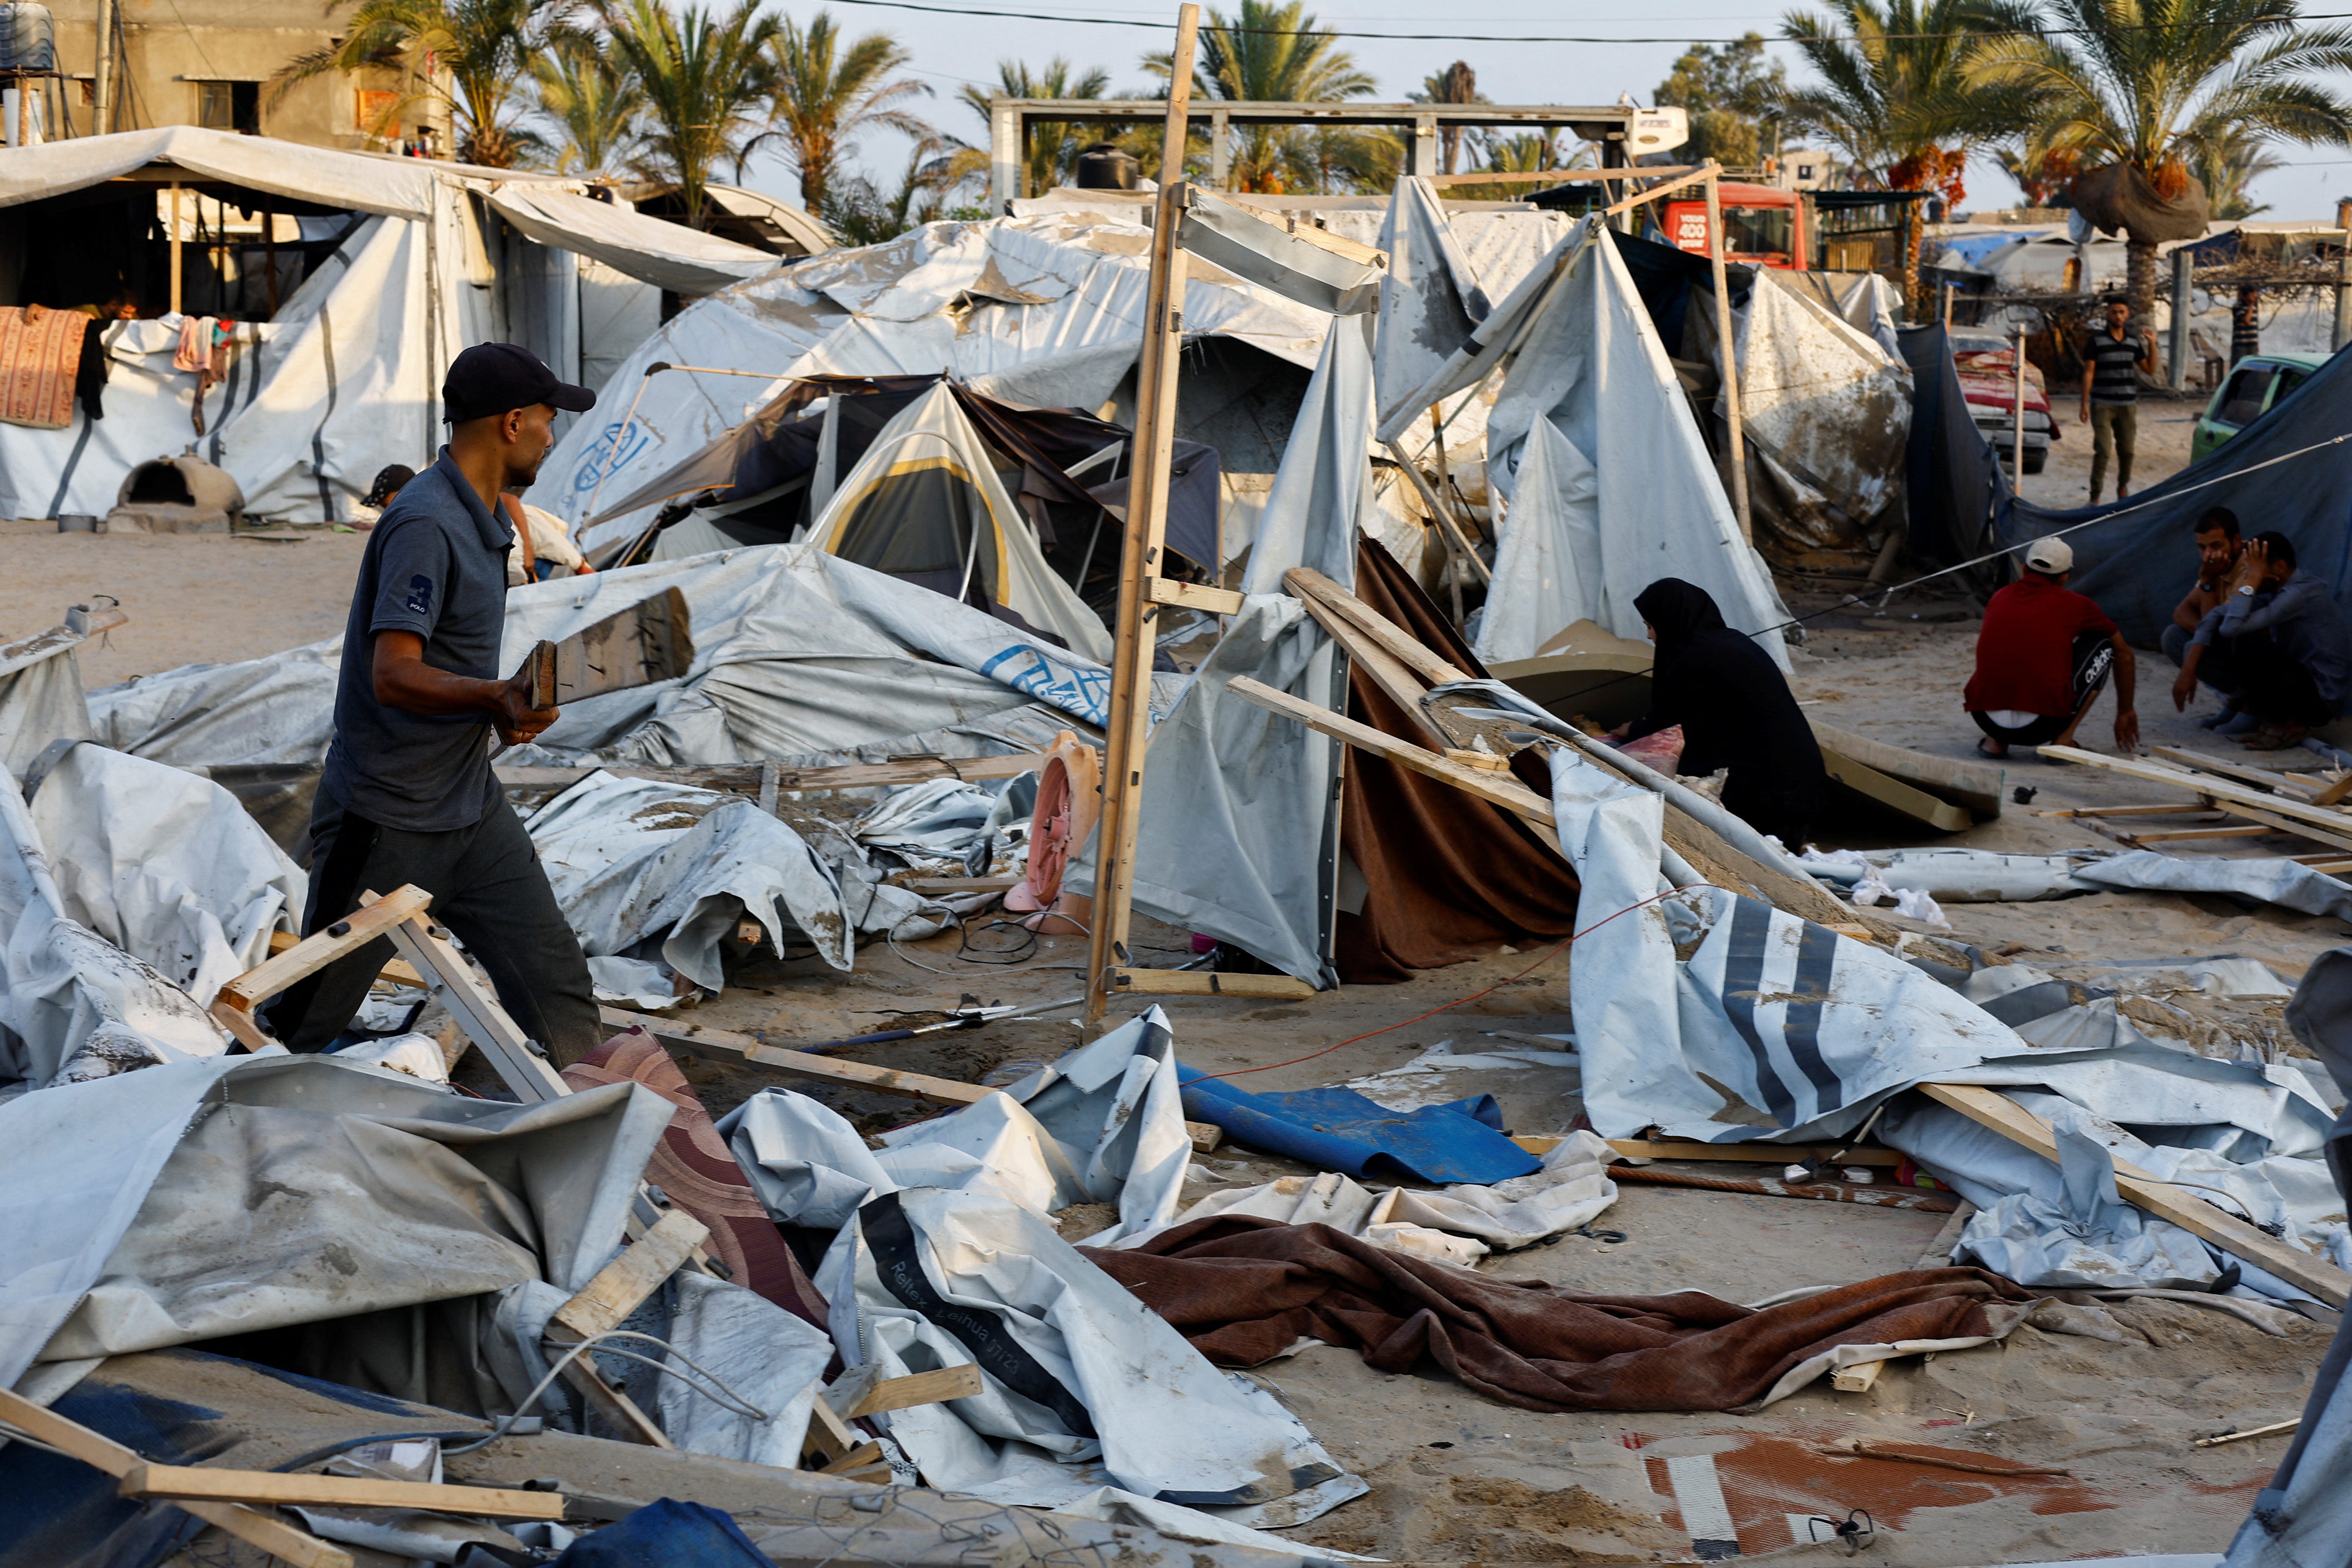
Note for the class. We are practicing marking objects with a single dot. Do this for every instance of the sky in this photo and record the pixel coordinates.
(950, 50)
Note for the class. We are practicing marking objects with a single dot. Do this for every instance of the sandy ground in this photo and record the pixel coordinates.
(2165, 425)
(1455, 1476)
(196, 598)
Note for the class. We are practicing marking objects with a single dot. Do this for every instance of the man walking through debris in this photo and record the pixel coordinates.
(2279, 640)
(2111, 365)
(2043, 655)
(407, 794)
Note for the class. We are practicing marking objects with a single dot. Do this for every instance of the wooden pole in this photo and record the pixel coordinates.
(1128, 731)
(2017, 417)
(175, 247)
(269, 257)
(1727, 354)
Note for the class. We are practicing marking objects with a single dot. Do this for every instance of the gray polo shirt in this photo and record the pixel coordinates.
(435, 566)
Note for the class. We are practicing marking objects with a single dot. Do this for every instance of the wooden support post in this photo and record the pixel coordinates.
(1129, 717)
(270, 257)
(1727, 352)
(103, 1453)
(268, 1489)
(233, 1005)
(175, 248)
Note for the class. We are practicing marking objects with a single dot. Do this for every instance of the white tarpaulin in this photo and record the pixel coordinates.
(667, 255)
(166, 866)
(41, 695)
(345, 378)
(1544, 577)
(202, 1199)
(1431, 300)
(1048, 310)
(1576, 346)
(1984, 876)
(72, 1004)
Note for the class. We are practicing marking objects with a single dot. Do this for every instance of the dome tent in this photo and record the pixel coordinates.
(925, 504)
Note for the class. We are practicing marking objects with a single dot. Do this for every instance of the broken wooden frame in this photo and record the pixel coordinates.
(2270, 802)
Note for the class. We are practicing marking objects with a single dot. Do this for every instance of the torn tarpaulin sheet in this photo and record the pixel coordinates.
(1984, 876)
(1246, 1290)
(1084, 1384)
(1340, 1129)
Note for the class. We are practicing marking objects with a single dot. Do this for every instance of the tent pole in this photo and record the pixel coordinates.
(1129, 717)
(1727, 352)
(175, 248)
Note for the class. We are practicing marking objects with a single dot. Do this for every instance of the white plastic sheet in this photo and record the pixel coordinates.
(1551, 541)
(73, 1006)
(770, 1359)
(40, 697)
(1430, 300)
(166, 866)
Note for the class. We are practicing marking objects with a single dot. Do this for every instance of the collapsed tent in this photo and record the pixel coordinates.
(327, 371)
(1044, 311)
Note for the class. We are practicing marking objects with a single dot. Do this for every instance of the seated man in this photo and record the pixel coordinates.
(2288, 649)
(2218, 549)
(2042, 658)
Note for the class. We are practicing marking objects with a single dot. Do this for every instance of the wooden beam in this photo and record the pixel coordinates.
(1384, 669)
(829, 1439)
(1989, 1108)
(518, 1061)
(2223, 793)
(398, 970)
(1205, 983)
(2197, 809)
(1666, 189)
(1405, 648)
(1195, 596)
(1456, 545)
(721, 1045)
(1894, 793)
(307, 957)
(1757, 1153)
(2340, 839)
(623, 1285)
(1497, 789)
(1857, 1378)
(934, 1387)
(1725, 353)
(1127, 726)
(103, 1453)
(2253, 830)
(268, 1489)
(2284, 783)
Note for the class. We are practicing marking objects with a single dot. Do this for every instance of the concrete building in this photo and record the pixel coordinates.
(209, 63)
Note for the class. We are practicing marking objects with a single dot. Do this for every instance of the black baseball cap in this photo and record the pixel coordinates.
(495, 378)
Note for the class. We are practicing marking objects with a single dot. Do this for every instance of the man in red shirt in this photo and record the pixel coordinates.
(2042, 658)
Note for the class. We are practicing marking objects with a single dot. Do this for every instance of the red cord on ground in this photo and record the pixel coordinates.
(1433, 1011)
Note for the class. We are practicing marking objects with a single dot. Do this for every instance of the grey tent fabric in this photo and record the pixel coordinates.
(1544, 569)
(666, 254)
(73, 1006)
(2303, 1519)
(1322, 492)
(1264, 253)
(40, 697)
(200, 1198)
(1238, 807)
(1430, 299)
(1983, 875)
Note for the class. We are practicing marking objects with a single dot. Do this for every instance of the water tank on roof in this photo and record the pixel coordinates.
(27, 38)
(1103, 167)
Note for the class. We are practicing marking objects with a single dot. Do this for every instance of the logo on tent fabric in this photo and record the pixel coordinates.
(622, 444)
(1084, 693)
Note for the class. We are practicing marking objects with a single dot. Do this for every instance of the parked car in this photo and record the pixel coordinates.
(2253, 386)
(1987, 365)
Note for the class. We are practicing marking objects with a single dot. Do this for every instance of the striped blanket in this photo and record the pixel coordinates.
(39, 349)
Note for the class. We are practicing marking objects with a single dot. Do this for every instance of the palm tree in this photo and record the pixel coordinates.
(1054, 145)
(1890, 97)
(827, 92)
(1273, 52)
(2227, 170)
(703, 75)
(594, 102)
(2154, 85)
(1531, 151)
(470, 57)
(1457, 83)
(861, 213)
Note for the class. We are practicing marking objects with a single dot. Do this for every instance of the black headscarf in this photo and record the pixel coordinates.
(1735, 708)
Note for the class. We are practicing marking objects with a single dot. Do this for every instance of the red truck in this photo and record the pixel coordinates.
(1988, 366)
(1762, 225)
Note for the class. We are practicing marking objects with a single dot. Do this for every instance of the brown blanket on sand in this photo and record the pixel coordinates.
(1243, 1290)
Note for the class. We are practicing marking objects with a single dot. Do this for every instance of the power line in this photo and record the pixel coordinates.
(1533, 38)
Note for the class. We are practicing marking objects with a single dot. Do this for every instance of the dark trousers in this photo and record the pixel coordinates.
(2217, 672)
(2093, 660)
(490, 891)
(2272, 686)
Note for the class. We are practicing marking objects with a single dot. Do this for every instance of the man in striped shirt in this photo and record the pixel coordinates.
(2111, 367)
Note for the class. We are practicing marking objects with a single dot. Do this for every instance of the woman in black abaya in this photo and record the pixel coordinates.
(1736, 711)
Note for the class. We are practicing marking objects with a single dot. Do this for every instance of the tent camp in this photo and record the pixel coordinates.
(341, 285)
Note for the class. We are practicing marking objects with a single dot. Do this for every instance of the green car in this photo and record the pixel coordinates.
(2254, 384)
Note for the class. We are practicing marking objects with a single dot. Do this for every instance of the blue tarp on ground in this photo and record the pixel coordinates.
(1340, 1129)
(670, 1533)
(2138, 557)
